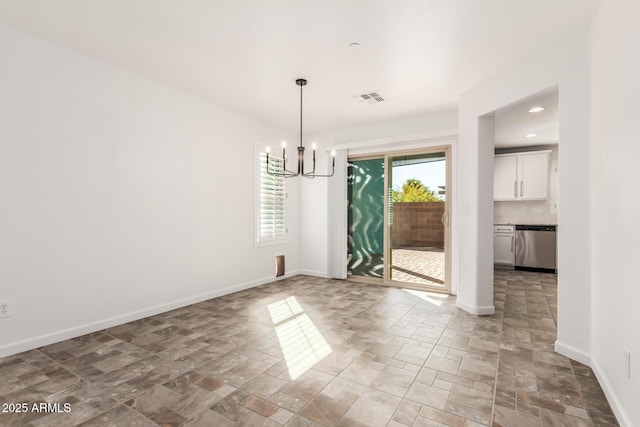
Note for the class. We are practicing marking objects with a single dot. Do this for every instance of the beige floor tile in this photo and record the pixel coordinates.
(428, 395)
(361, 355)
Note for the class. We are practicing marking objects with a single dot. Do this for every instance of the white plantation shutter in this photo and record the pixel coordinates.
(273, 197)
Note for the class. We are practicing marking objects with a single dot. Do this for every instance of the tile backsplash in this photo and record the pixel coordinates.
(525, 212)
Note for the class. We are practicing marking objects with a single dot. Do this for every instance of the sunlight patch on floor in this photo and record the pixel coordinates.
(430, 297)
(302, 344)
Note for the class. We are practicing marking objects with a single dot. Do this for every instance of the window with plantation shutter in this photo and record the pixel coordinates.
(272, 224)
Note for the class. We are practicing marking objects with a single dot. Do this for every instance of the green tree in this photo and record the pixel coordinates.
(413, 190)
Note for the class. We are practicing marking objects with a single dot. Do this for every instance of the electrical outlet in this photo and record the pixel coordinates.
(5, 309)
(627, 363)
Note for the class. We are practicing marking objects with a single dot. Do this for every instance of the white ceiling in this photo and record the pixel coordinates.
(513, 122)
(420, 55)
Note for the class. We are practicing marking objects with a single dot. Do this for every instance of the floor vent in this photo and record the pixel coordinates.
(279, 265)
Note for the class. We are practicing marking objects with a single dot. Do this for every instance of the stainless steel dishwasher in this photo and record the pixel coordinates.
(536, 247)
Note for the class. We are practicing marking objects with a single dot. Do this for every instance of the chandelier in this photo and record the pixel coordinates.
(285, 173)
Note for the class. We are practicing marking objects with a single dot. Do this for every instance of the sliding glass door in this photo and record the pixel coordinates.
(398, 219)
(418, 216)
(365, 184)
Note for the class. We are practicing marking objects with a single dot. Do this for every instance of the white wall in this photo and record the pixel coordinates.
(615, 205)
(120, 197)
(315, 193)
(564, 64)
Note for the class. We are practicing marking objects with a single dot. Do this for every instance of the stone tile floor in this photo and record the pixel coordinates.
(309, 351)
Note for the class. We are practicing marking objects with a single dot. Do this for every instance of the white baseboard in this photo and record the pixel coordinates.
(314, 273)
(612, 398)
(586, 359)
(477, 310)
(76, 331)
(573, 353)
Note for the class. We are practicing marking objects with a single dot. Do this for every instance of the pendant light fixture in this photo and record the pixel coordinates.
(285, 173)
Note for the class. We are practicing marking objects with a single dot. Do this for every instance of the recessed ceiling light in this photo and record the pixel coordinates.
(536, 109)
(531, 135)
(354, 45)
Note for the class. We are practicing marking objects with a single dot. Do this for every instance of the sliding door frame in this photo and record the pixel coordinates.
(387, 281)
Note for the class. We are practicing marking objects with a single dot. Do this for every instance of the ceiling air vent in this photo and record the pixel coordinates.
(370, 97)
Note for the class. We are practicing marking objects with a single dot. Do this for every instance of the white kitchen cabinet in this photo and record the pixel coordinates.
(504, 245)
(533, 172)
(521, 176)
(505, 177)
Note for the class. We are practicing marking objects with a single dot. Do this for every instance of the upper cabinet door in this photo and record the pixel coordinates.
(533, 175)
(505, 178)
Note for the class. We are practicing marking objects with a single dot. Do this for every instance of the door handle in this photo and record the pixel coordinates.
(445, 219)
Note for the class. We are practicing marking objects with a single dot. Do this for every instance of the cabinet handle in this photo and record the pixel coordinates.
(512, 244)
(515, 188)
(521, 188)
